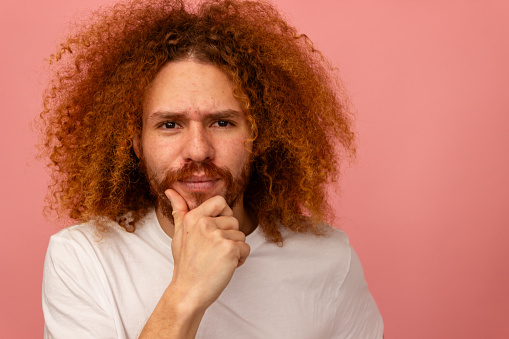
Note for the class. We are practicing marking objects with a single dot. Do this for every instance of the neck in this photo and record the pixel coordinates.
(246, 217)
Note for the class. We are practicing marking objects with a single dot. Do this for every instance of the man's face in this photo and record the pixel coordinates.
(194, 135)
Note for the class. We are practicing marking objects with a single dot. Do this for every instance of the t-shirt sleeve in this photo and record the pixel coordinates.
(74, 300)
(357, 313)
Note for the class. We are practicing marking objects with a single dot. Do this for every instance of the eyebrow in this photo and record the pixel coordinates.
(169, 115)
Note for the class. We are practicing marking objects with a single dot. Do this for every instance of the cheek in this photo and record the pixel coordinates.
(159, 156)
(238, 156)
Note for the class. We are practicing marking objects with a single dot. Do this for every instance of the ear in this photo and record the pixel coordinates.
(137, 145)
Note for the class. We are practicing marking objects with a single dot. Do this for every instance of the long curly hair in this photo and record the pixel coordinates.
(294, 102)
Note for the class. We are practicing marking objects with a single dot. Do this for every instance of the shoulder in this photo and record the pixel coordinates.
(81, 243)
(90, 275)
(78, 248)
(333, 242)
(76, 285)
(85, 246)
(107, 235)
(88, 234)
(93, 230)
(333, 261)
(330, 234)
(324, 257)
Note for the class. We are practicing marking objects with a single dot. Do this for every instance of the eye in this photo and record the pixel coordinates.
(222, 123)
(169, 125)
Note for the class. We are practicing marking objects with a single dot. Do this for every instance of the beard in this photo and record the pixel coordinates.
(234, 187)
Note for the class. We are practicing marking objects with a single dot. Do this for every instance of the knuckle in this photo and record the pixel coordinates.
(217, 236)
(189, 219)
(242, 236)
(219, 203)
(245, 249)
(203, 223)
(229, 246)
(235, 223)
(219, 200)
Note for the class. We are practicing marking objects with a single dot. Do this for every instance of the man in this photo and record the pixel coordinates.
(194, 146)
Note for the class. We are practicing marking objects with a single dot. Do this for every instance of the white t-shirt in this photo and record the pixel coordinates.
(107, 285)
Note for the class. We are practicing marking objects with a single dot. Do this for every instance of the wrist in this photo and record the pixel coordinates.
(182, 300)
(175, 316)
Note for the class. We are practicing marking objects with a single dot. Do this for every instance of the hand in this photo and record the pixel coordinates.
(207, 247)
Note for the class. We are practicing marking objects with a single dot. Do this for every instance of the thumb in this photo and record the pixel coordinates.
(179, 206)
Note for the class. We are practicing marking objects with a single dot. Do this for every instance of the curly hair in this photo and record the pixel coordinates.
(293, 100)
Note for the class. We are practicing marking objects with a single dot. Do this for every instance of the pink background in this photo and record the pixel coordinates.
(427, 203)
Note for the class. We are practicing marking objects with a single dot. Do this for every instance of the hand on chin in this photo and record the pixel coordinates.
(195, 199)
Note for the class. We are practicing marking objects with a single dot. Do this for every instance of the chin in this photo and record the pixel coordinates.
(196, 199)
(192, 204)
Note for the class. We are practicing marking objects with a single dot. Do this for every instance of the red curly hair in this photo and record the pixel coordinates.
(92, 109)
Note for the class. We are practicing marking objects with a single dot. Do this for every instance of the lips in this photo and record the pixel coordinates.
(198, 184)
(196, 178)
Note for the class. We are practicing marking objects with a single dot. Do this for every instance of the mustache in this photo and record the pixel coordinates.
(208, 169)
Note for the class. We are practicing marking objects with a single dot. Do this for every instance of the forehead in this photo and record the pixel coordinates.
(189, 86)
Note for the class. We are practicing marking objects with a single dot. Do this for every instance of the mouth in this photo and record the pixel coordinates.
(198, 184)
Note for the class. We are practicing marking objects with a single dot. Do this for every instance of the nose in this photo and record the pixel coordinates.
(198, 146)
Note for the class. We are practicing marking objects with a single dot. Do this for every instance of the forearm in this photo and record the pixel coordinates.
(175, 317)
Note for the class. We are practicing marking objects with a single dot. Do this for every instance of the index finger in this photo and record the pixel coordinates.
(214, 207)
